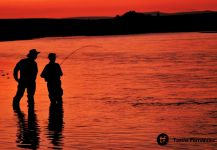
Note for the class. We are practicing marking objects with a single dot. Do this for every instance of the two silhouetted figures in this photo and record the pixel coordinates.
(27, 69)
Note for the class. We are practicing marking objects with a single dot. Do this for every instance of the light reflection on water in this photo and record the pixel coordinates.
(119, 94)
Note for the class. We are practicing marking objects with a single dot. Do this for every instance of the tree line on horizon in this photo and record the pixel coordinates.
(129, 23)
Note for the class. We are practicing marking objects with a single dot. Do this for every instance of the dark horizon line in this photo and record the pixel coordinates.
(101, 17)
(129, 23)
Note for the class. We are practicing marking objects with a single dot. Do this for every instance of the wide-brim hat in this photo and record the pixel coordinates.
(33, 52)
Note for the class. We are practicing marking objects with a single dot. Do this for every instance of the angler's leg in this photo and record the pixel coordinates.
(31, 92)
(20, 91)
(59, 92)
(51, 91)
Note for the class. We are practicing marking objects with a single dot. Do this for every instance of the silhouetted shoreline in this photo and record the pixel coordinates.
(128, 23)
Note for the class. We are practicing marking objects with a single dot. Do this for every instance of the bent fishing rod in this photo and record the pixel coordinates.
(70, 54)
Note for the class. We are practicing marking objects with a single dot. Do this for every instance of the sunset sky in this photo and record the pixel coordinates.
(77, 8)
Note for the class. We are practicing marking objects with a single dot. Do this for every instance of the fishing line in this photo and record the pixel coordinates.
(76, 51)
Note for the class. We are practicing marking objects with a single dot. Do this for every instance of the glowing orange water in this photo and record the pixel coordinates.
(119, 94)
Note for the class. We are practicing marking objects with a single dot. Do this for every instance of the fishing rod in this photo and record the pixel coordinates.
(70, 54)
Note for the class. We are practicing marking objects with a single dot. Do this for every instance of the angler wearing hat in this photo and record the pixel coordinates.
(27, 69)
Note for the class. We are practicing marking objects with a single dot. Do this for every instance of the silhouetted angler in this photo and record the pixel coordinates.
(52, 73)
(28, 70)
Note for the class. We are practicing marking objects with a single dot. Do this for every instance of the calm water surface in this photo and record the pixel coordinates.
(120, 92)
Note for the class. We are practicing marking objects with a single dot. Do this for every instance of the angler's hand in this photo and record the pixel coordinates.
(17, 79)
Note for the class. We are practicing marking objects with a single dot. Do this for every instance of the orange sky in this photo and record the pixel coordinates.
(73, 8)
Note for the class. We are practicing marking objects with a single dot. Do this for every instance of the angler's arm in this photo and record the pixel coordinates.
(60, 71)
(35, 71)
(44, 73)
(16, 70)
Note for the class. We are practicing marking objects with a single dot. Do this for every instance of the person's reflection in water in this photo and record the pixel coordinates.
(28, 130)
(55, 125)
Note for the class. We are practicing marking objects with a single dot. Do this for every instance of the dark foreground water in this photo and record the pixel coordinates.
(120, 92)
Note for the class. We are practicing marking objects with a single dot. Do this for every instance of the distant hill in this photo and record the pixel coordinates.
(129, 23)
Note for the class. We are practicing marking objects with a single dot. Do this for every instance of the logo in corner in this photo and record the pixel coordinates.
(162, 139)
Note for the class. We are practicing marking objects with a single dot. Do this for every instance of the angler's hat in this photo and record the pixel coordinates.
(32, 52)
